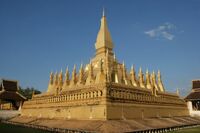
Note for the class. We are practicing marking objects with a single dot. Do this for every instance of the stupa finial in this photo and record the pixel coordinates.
(103, 14)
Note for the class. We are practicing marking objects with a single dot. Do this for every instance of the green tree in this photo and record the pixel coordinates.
(27, 92)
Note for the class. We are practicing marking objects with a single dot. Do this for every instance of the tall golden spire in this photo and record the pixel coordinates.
(141, 78)
(51, 82)
(154, 81)
(51, 78)
(160, 84)
(67, 80)
(100, 78)
(133, 77)
(124, 76)
(73, 79)
(81, 75)
(60, 79)
(56, 79)
(148, 80)
(90, 77)
(104, 40)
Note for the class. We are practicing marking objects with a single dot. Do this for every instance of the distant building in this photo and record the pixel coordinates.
(193, 99)
(10, 99)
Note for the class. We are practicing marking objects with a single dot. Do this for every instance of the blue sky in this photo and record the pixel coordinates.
(39, 36)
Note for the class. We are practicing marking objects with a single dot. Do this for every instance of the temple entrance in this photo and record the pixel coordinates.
(10, 105)
(196, 105)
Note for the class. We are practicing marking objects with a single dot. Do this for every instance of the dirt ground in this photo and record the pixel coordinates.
(109, 126)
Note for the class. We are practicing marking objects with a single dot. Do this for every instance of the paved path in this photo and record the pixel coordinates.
(7, 114)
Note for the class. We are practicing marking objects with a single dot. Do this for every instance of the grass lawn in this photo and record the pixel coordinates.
(189, 130)
(7, 128)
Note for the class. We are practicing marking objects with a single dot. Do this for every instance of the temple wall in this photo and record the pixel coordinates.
(136, 111)
(77, 112)
(116, 103)
(109, 111)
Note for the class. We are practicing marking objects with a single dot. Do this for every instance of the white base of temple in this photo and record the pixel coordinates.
(191, 110)
(7, 114)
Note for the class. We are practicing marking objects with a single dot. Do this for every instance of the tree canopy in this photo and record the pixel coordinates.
(28, 92)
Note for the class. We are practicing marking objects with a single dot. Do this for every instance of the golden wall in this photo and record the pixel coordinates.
(106, 102)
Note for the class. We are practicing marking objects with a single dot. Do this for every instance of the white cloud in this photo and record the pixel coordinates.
(162, 31)
(167, 35)
(151, 33)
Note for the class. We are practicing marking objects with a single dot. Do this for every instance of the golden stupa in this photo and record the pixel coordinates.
(104, 90)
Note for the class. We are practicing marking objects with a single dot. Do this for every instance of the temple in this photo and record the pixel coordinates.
(10, 98)
(104, 89)
(193, 99)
